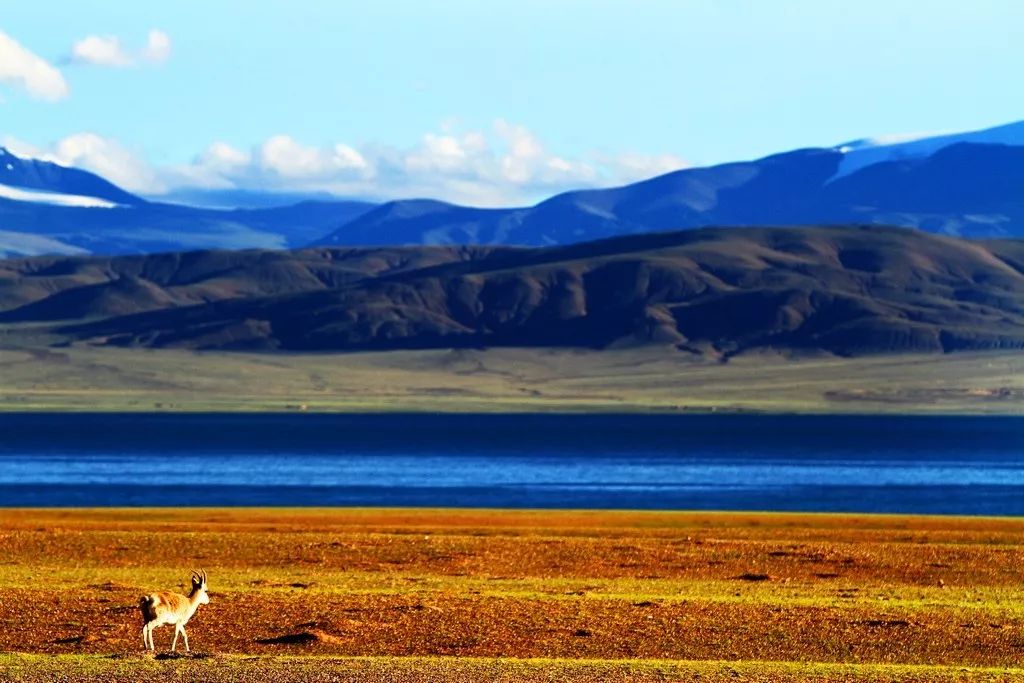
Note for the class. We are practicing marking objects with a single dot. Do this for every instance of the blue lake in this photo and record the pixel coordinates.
(949, 465)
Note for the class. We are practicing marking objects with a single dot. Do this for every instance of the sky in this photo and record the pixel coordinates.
(485, 103)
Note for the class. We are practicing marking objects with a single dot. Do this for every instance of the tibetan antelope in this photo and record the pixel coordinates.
(172, 608)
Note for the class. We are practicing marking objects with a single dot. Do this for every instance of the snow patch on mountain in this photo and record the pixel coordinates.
(859, 154)
(19, 194)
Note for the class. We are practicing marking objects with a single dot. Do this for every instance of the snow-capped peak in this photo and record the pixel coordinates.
(31, 178)
(13, 186)
(29, 155)
(868, 151)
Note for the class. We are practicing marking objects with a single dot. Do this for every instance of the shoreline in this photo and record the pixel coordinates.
(468, 516)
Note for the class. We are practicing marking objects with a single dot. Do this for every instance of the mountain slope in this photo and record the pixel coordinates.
(36, 174)
(964, 188)
(85, 287)
(152, 228)
(860, 153)
(49, 208)
(845, 290)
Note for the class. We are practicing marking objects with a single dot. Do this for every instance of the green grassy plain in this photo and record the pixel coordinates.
(504, 380)
(491, 595)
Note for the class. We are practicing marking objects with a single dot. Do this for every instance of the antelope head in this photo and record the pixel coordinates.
(199, 586)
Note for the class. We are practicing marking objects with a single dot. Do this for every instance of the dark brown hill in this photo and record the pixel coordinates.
(77, 287)
(845, 290)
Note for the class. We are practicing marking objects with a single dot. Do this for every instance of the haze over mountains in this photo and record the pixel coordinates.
(969, 184)
(847, 290)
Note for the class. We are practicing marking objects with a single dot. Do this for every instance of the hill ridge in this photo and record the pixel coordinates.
(847, 290)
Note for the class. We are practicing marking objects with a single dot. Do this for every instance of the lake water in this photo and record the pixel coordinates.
(952, 465)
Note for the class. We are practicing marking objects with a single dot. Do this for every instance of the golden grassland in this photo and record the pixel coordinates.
(503, 380)
(468, 595)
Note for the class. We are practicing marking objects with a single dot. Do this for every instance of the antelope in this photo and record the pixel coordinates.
(172, 608)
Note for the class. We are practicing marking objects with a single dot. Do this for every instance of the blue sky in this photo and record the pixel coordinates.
(487, 102)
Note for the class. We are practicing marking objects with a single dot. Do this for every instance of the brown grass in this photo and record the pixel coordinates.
(682, 591)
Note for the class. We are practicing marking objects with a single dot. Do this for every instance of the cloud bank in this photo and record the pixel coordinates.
(108, 51)
(504, 165)
(26, 70)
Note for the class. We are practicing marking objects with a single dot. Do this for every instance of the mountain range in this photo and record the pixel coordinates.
(897, 246)
(966, 184)
(844, 290)
(47, 208)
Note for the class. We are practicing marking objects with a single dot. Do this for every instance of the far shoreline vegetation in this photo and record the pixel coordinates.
(637, 380)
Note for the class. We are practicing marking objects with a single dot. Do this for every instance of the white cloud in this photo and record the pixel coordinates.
(100, 51)
(24, 69)
(445, 153)
(223, 158)
(282, 155)
(521, 142)
(21, 148)
(104, 156)
(110, 159)
(108, 51)
(158, 47)
(505, 166)
(631, 167)
(211, 169)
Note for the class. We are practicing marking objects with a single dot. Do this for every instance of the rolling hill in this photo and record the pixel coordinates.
(847, 290)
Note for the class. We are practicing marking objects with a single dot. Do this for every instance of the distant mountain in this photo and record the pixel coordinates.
(717, 292)
(865, 152)
(49, 208)
(57, 180)
(236, 198)
(962, 188)
(965, 184)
